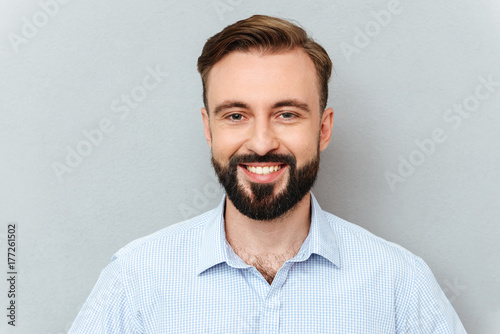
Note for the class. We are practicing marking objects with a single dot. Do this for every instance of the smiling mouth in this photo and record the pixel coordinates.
(263, 170)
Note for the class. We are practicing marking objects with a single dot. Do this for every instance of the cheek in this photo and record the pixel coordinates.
(225, 144)
(302, 144)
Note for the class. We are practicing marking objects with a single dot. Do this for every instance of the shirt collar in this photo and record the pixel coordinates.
(215, 249)
(321, 239)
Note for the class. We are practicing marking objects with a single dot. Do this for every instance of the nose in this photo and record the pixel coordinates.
(263, 137)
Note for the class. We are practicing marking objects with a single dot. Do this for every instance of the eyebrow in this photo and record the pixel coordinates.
(284, 103)
(228, 105)
(292, 103)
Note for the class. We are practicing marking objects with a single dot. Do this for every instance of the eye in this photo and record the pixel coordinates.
(236, 117)
(287, 115)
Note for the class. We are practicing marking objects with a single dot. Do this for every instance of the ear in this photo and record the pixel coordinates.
(326, 129)
(206, 126)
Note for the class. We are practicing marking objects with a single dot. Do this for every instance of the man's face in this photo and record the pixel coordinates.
(265, 129)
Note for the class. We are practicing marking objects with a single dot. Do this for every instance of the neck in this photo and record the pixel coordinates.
(281, 237)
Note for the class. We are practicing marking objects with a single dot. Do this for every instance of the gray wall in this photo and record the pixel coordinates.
(404, 83)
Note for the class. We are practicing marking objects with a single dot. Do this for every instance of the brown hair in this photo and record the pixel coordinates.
(265, 34)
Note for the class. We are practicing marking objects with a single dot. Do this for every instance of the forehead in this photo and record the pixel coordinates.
(256, 77)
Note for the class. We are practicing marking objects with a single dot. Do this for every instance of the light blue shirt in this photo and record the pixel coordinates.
(187, 279)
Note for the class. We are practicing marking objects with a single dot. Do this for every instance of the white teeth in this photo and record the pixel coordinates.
(263, 170)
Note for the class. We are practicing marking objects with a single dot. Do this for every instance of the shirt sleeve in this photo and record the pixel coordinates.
(107, 309)
(429, 310)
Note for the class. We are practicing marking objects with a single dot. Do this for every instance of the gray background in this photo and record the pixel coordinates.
(152, 169)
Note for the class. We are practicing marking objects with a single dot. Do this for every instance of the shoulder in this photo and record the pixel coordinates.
(374, 262)
(357, 243)
(173, 235)
(387, 267)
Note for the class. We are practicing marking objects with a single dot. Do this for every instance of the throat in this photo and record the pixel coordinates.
(268, 270)
(268, 266)
(268, 276)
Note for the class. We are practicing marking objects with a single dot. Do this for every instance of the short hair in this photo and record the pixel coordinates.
(266, 34)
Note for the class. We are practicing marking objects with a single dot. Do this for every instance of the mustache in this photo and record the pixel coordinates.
(288, 159)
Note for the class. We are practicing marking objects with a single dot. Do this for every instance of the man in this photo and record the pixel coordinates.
(268, 259)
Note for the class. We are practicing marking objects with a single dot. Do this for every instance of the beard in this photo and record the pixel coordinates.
(264, 203)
